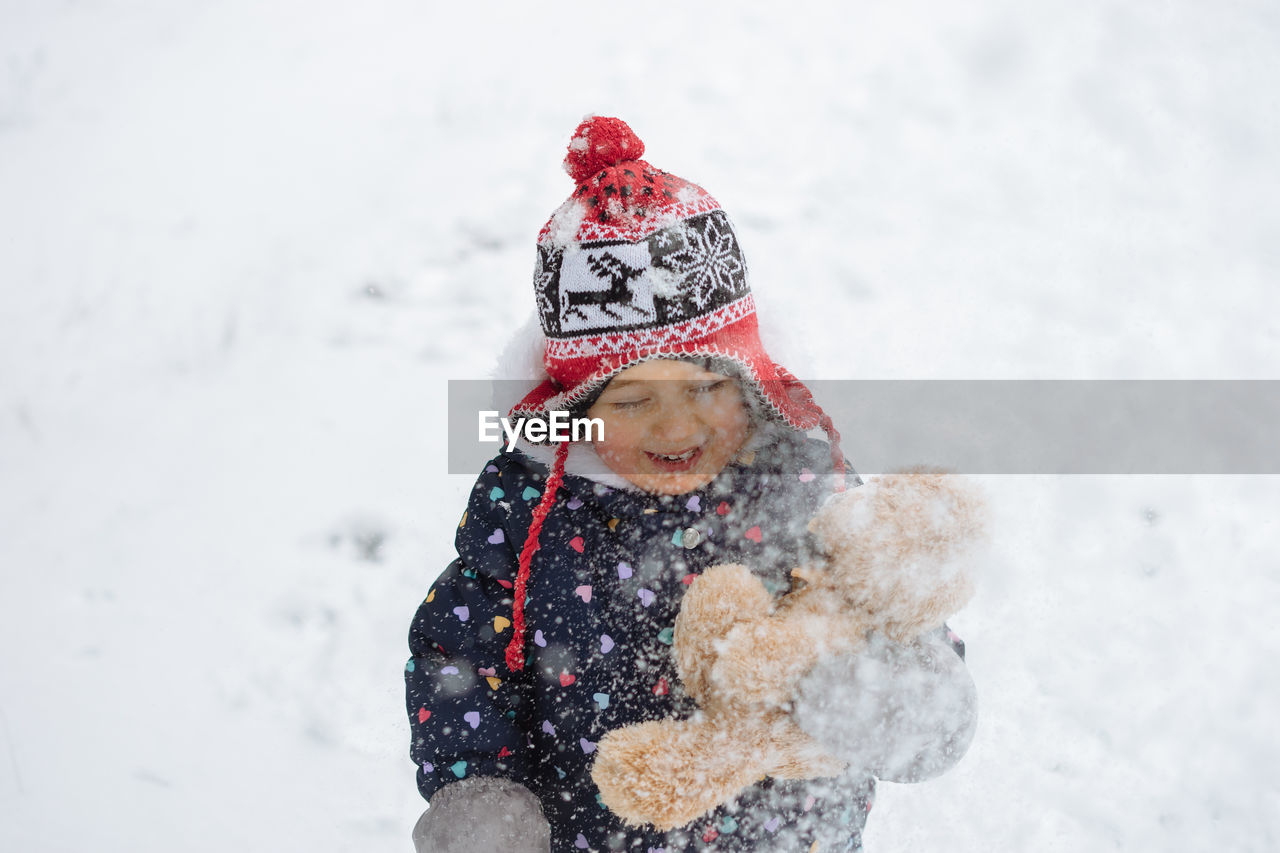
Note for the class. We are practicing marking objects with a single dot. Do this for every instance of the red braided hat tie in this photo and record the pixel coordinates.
(837, 456)
(515, 649)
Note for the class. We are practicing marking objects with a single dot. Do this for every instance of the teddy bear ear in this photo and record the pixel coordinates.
(808, 574)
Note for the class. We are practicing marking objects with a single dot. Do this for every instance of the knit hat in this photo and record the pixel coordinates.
(639, 264)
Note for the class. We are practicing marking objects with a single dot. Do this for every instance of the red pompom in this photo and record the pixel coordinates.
(598, 143)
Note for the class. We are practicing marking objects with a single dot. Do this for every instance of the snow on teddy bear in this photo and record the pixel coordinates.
(898, 556)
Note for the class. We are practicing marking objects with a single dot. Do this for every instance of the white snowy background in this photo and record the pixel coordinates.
(243, 245)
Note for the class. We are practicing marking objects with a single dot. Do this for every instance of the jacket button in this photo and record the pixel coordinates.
(692, 536)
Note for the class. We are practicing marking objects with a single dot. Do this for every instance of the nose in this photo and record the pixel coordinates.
(675, 424)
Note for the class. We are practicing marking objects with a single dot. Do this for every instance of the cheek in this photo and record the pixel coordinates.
(730, 420)
(620, 440)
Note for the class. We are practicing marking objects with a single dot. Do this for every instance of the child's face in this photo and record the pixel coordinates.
(670, 426)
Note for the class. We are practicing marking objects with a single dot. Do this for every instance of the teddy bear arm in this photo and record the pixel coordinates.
(668, 773)
(797, 755)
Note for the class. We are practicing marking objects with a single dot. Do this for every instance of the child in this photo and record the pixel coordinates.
(554, 624)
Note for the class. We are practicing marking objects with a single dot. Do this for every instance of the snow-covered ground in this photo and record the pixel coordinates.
(243, 245)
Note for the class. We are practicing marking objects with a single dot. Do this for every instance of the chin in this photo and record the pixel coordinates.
(671, 484)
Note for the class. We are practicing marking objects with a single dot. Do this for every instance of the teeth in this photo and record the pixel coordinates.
(688, 454)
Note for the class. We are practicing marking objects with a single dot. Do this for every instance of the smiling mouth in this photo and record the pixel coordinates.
(675, 462)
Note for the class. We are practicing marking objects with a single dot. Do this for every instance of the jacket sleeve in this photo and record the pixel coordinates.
(463, 703)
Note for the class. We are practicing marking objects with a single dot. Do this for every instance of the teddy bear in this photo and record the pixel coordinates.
(896, 560)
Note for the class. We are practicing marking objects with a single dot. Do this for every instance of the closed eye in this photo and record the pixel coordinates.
(623, 405)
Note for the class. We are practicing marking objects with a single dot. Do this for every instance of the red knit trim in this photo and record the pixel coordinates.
(515, 649)
(562, 355)
(628, 222)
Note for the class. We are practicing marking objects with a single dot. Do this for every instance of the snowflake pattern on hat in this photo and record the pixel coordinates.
(706, 256)
(546, 284)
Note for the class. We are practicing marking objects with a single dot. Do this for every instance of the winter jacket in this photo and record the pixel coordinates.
(605, 590)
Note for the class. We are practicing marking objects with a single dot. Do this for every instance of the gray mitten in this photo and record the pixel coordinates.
(904, 713)
(483, 815)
